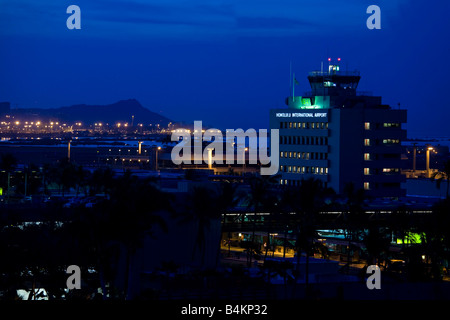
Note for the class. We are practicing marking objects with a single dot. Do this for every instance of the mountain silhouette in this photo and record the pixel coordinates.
(119, 112)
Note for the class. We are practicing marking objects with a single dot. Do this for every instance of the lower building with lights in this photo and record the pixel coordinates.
(341, 136)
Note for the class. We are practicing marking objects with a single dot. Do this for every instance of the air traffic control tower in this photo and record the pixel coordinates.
(339, 135)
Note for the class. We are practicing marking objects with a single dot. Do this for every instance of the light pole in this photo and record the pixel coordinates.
(156, 162)
(243, 158)
(68, 150)
(428, 160)
(210, 158)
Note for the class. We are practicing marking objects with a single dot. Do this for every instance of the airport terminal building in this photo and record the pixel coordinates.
(339, 135)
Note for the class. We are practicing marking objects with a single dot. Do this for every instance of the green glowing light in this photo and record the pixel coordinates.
(411, 238)
(306, 102)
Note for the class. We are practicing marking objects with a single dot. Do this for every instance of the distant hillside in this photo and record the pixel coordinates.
(121, 111)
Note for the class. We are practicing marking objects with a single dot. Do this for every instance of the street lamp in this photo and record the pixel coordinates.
(428, 161)
(68, 150)
(210, 158)
(243, 158)
(156, 162)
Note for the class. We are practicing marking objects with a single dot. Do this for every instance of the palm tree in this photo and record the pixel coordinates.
(204, 205)
(229, 198)
(117, 228)
(353, 216)
(306, 201)
(81, 176)
(134, 209)
(64, 175)
(441, 175)
(101, 180)
(7, 163)
(260, 198)
(377, 241)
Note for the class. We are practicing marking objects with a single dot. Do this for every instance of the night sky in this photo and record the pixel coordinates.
(223, 62)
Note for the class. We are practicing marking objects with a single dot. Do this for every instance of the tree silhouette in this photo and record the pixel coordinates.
(7, 163)
(204, 205)
(260, 199)
(132, 213)
(306, 201)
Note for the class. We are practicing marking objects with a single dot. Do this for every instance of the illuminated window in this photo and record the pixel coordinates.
(367, 142)
(366, 186)
(367, 125)
(281, 154)
(290, 125)
(326, 170)
(290, 154)
(390, 125)
(391, 141)
(391, 170)
(329, 84)
(366, 156)
(366, 171)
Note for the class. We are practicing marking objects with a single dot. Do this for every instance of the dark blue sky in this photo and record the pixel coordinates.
(223, 62)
